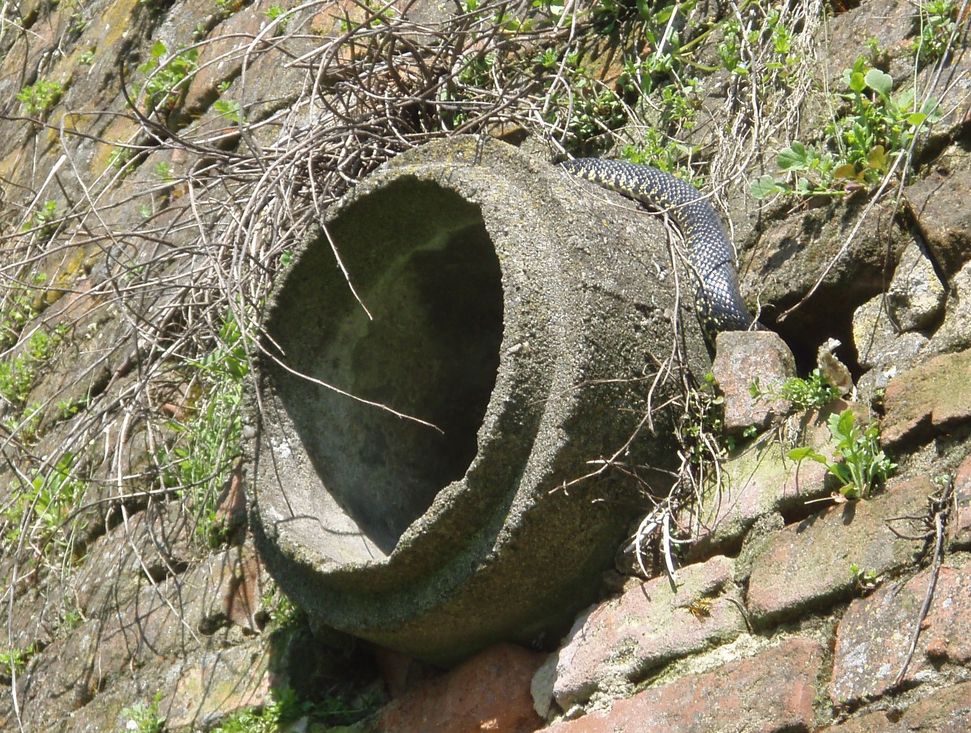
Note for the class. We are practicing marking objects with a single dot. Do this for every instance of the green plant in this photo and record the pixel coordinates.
(864, 580)
(17, 377)
(284, 708)
(26, 423)
(278, 11)
(144, 718)
(67, 409)
(876, 126)
(38, 98)
(229, 109)
(589, 111)
(937, 27)
(13, 661)
(279, 607)
(43, 502)
(71, 618)
(86, 58)
(731, 48)
(814, 391)
(663, 152)
(877, 123)
(43, 220)
(165, 74)
(859, 464)
(702, 425)
(742, 50)
(228, 7)
(120, 157)
(18, 309)
(163, 171)
(200, 460)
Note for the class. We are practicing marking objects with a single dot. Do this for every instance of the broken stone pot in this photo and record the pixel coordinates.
(417, 463)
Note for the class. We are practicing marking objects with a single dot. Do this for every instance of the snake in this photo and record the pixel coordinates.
(718, 299)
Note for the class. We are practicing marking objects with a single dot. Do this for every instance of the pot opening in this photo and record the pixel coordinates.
(419, 257)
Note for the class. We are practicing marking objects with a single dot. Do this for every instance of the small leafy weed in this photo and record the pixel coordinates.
(813, 391)
(165, 74)
(859, 463)
(40, 97)
(43, 503)
(43, 220)
(937, 26)
(14, 661)
(229, 109)
(144, 717)
(875, 127)
(864, 580)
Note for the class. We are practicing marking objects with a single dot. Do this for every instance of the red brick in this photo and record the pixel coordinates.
(761, 480)
(807, 565)
(619, 641)
(932, 397)
(873, 638)
(772, 691)
(741, 358)
(959, 528)
(946, 711)
(489, 692)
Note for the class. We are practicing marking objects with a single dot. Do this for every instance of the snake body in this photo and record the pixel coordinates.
(718, 301)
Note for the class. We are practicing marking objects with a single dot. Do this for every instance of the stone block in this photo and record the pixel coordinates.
(615, 644)
(771, 691)
(930, 398)
(744, 358)
(488, 692)
(874, 635)
(807, 564)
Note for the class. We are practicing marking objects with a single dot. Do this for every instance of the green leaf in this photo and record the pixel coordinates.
(879, 81)
(847, 172)
(804, 452)
(916, 118)
(844, 425)
(158, 50)
(877, 158)
(765, 186)
(793, 158)
(857, 82)
(903, 100)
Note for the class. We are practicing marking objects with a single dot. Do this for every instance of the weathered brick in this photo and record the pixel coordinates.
(959, 528)
(772, 691)
(807, 564)
(743, 358)
(210, 685)
(164, 620)
(616, 643)
(761, 480)
(940, 198)
(874, 635)
(946, 711)
(932, 397)
(488, 692)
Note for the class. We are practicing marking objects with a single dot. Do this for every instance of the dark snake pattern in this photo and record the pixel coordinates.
(718, 300)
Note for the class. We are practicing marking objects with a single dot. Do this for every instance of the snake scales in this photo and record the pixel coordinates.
(718, 301)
